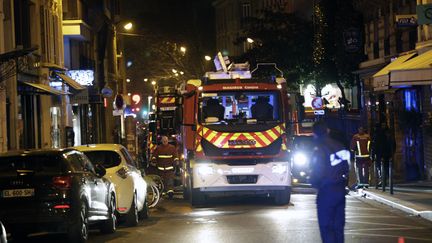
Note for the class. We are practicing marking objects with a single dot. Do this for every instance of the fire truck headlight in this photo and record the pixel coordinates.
(205, 170)
(300, 159)
(279, 169)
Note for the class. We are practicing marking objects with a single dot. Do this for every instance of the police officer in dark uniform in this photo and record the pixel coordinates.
(329, 175)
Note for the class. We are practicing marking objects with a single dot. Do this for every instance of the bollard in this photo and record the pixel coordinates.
(391, 176)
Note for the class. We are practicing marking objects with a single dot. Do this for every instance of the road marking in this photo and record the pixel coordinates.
(383, 224)
(390, 236)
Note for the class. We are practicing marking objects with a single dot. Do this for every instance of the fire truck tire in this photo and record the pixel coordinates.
(197, 198)
(282, 197)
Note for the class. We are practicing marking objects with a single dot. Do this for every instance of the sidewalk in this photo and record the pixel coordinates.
(412, 198)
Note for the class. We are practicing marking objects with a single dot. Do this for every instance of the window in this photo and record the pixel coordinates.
(246, 10)
(39, 164)
(128, 158)
(235, 106)
(107, 159)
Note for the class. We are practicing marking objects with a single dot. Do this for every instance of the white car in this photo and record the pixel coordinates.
(131, 189)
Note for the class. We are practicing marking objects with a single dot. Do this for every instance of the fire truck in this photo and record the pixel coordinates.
(234, 130)
(164, 121)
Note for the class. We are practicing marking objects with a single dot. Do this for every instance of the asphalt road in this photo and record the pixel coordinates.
(258, 220)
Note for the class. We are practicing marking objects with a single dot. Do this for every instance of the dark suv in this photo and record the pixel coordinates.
(54, 191)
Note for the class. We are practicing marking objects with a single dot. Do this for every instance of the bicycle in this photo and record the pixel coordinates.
(155, 187)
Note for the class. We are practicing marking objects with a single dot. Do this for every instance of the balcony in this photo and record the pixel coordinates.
(76, 29)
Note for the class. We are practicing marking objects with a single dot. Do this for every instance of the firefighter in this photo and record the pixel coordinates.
(262, 110)
(360, 145)
(329, 175)
(164, 159)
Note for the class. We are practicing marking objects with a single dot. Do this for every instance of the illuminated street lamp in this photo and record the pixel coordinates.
(176, 74)
(174, 71)
(250, 40)
(181, 72)
(207, 58)
(183, 49)
(153, 83)
(128, 26)
(128, 80)
(146, 79)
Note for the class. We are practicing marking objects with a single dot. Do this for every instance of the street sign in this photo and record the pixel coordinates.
(424, 14)
(319, 112)
(317, 103)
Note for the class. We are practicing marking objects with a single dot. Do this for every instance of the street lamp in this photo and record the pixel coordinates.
(128, 80)
(250, 40)
(207, 58)
(153, 83)
(183, 49)
(128, 26)
(181, 72)
(174, 71)
(146, 79)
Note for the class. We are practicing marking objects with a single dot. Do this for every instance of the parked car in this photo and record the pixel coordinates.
(123, 172)
(3, 235)
(56, 190)
(301, 152)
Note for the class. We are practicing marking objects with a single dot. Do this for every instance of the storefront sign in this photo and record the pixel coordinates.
(83, 77)
(80, 98)
(409, 20)
(424, 14)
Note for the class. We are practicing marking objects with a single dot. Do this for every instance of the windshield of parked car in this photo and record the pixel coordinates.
(240, 106)
(39, 164)
(107, 158)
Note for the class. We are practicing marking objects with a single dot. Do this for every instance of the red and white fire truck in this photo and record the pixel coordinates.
(234, 131)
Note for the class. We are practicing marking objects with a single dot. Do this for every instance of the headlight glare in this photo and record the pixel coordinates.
(300, 159)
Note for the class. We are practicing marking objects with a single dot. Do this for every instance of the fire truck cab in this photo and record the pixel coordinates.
(235, 128)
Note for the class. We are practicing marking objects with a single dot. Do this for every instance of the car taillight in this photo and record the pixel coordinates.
(122, 173)
(62, 182)
(62, 206)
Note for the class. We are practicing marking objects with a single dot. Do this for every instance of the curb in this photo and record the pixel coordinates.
(397, 205)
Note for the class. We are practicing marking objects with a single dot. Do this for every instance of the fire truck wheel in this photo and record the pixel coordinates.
(282, 197)
(197, 198)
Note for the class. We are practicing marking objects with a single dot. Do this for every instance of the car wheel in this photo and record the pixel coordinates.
(144, 213)
(78, 231)
(109, 226)
(282, 197)
(132, 216)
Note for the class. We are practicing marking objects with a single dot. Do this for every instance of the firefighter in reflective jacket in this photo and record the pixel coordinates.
(164, 159)
(360, 145)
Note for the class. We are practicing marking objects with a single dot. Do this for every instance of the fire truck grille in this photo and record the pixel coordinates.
(242, 179)
(211, 150)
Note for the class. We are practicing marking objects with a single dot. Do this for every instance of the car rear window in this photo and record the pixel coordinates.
(106, 158)
(39, 164)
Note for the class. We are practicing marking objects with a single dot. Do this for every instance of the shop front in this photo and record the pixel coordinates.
(402, 101)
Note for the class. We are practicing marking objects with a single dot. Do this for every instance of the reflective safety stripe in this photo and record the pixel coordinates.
(359, 148)
(166, 168)
(362, 156)
(165, 156)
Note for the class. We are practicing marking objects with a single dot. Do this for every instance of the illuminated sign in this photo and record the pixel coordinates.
(136, 99)
(331, 93)
(83, 77)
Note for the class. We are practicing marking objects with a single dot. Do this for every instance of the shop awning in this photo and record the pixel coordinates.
(72, 83)
(416, 71)
(44, 89)
(381, 79)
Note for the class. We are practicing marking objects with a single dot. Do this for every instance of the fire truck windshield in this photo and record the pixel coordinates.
(240, 107)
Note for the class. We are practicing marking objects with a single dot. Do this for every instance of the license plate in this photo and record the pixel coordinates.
(27, 192)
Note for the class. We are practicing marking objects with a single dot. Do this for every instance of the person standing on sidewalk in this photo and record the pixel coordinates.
(329, 175)
(360, 145)
(164, 159)
(383, 147)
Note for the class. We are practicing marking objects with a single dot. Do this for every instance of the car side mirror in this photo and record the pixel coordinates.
(100, 170)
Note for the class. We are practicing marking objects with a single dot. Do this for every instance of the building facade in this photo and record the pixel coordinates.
(56, 57)
(395, 43)
(231, 17)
